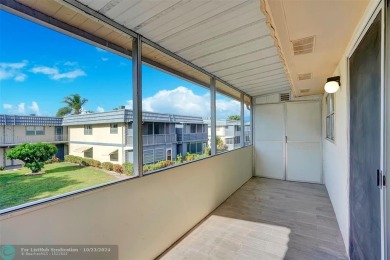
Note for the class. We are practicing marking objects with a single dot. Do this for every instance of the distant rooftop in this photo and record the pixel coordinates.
(114, 116)
(223, 122)
(30, 120)
(126, 116)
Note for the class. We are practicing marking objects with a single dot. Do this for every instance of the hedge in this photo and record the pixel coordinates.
(117, 168)
(128, 168)
(107, 166)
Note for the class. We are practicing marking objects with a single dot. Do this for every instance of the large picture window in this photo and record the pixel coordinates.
(61, 91)
(95, 112)
(175, 112)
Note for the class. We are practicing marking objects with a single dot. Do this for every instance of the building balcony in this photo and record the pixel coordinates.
(239, 216)
(15, 140)
(154, 139)
(192, 137)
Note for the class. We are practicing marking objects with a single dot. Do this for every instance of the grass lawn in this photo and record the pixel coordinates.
(16, 189)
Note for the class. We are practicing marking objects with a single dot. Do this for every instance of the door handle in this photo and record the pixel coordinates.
(378, 177)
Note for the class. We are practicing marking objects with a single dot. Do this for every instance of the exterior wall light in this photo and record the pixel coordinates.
(332, 84)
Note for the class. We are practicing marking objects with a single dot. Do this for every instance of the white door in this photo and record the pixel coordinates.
(269, 141)
(303, 134)
(288, 141)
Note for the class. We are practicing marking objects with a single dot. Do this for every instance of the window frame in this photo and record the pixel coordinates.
(113, 129)
(330, 117)
(88, 130)
(90, 127)
(34, 130)
(114, 158)
(87, 152)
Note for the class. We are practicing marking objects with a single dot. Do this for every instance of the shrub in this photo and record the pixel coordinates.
(2, 168)
(107, 166)
(193, 156)
(96, 163)
(82, 161)
(86, 162)
(117, 168)
(33, 155)
(128, 168)
(53, 160)
(156, 166)
(73, 159)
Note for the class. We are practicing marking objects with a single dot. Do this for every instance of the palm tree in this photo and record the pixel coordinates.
(74, 105)
(234, 117)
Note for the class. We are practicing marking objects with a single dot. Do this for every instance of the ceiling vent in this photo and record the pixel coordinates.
(304, 76)
(284, 97)
(303, 46)
(305, 90)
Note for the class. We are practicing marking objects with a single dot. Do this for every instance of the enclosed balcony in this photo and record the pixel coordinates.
(299, 89)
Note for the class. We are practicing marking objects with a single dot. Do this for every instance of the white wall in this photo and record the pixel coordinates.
(336, 155)
(143, 216)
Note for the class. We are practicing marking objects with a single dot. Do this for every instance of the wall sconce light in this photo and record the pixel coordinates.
(332, 84)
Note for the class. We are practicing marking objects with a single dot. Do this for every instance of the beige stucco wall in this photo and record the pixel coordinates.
(100, 152)
(100, 133)
(101, 141)
(21, 137)
(143, 216)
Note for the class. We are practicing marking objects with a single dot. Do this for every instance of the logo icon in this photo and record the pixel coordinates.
(7, 252)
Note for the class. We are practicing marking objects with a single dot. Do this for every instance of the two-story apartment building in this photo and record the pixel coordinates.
(107, 136)
(230, 132)
(19, 129)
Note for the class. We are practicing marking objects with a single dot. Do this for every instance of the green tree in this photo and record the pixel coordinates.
(234, 117)
(221, 146)
(33, 155)
(74, 104)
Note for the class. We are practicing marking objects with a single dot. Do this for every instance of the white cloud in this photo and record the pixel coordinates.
(100, 50)
(55, 74)
(34, 107)
(9, 70)
(21, 108)
(99, 109)
(184, 101)
(7, 106)
(70, 63)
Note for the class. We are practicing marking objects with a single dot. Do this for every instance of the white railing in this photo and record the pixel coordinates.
(154, 139)
(194, 137)
(33, 139)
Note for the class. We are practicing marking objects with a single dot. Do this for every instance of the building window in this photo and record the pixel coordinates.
(35, 130)
(114, 156)
(148, 156)
(330, 117)
(87, 130)
(113, 128)
(88, 153)
(229, 140)
(247, 121)
(159, 155)
(195, 148)
(147, 129)
(193, 129)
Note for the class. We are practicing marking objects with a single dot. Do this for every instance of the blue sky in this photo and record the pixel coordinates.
(39, 66)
